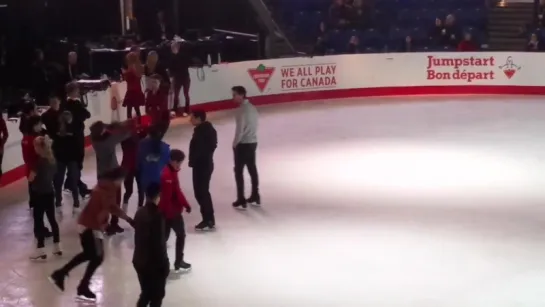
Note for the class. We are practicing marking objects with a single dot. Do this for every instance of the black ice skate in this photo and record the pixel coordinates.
(254, 200)
(57, 279)
(240, 205)
(183, 267)
(86, 295)
(205, 226)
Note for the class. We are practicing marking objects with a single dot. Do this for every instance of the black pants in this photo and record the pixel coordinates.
(80, 147)
(178, 85)
(93, 252)
(152, 285)
(44, 204)
(71, 170)
(245, 156)
(1, 159)
(136, 110)
(202, 174)
(177, 225)
(114, 219)
(129, 184)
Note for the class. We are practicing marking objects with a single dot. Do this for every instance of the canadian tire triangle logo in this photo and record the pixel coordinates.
(261, 76)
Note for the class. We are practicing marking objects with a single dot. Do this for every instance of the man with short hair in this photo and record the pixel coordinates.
(80, 114)
(150, 258)
(201, 159)
(172, 204)
(244, 147)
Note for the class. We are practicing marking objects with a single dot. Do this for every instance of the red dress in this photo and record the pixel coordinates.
(134, 96)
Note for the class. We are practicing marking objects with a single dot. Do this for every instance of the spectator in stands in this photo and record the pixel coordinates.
(407, 45)
(338, 15)
(467, 43)
(320, 48)
(436, 33)
(41, 86)
(353, 45)
(451, 32)
(72, 69)
(359, 17)
(533, 44)
(163, 30)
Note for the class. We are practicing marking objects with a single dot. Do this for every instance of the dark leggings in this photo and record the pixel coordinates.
(128, 184)
(44, 204)
(93, 251)
(178, 86)
(136, 110)
(114, 220)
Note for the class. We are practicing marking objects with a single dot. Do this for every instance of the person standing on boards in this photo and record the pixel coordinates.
(244, 147)
(150, 258)
(201, 160)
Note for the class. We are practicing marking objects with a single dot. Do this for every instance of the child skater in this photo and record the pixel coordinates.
(128, 163)
(153, 156)
(171, 204)
(157, 104)
(33, 129)
(43, 196)
(105, 139)
(93, 221)
(134, 98)
(150, 258)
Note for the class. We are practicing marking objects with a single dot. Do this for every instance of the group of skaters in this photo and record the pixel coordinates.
(53, 151)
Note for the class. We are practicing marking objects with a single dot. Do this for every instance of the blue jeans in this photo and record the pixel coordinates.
(73, 174)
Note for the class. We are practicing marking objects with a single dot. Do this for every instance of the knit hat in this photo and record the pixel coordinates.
(153, 191)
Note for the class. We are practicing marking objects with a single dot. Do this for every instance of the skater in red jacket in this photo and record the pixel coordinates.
(31, 158)
(171, 205)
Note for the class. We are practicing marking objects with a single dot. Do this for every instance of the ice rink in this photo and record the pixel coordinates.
(381, 202)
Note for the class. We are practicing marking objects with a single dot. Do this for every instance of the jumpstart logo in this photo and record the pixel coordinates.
(467, 69)
(509, 68)
(261, 76)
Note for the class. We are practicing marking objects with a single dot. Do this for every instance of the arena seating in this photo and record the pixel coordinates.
(390, 21)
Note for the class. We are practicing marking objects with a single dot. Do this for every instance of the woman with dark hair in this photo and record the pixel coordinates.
(134, 98)
(153, 156)
(128, 163)
(154, 67)
(105, 139)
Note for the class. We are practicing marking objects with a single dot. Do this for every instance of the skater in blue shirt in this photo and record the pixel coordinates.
(153, 156)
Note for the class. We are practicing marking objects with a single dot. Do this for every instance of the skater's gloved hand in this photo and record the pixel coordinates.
(188, 209)
(131, 222)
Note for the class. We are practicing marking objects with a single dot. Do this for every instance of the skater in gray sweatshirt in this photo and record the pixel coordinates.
(244, 147)
(41, 188)
(105, 139)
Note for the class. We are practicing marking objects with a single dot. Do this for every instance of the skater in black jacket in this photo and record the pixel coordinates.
(150, 257)
(75, 106)
(201, 159)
